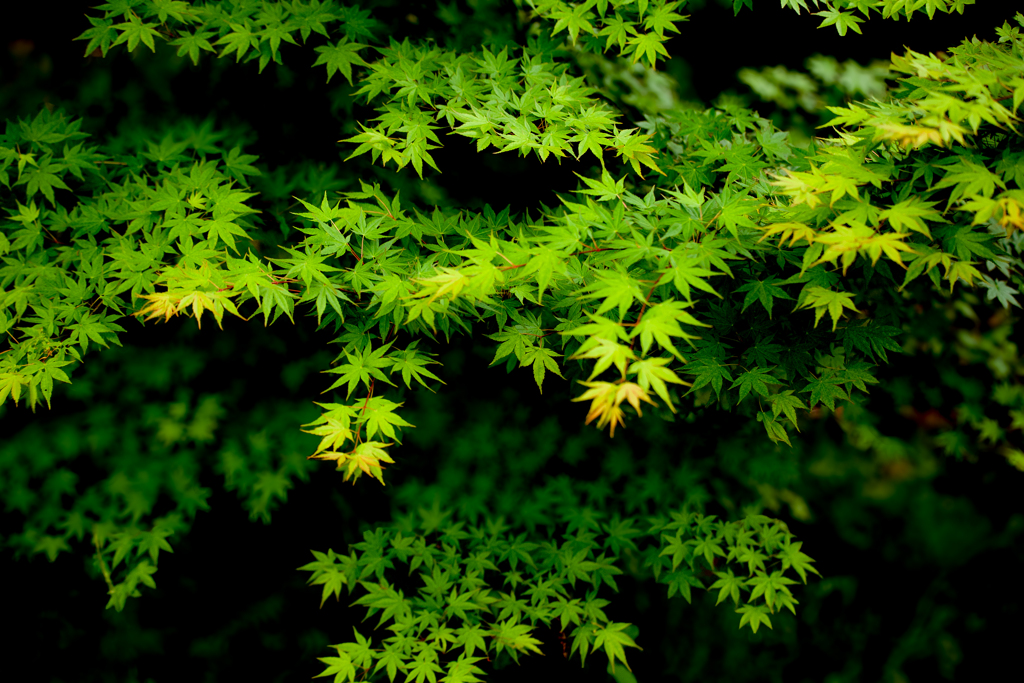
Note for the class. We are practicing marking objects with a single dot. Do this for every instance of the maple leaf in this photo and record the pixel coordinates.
(574, 19)
(412, 364)
(239, 40)
(768, 586)
(379, 416)
(367, 457)
(662, 18)
(728, 585)
(842, 21)
(607, 353)
(754, 616)
(606, 399)
(661, 321)
(754, 380)
(606, 189)
(134, 31)
(364, 366)
(689, 272)
(612, 639)
(648, 45)
(827, 300)
(708, 371)
(791, 556)
(191, 43)
(652, 372)
(449, 282)
(764, 291)
(826, 390)
(910, 214)
(785, 402)
(999, 289)
(541, 359)
(101, 36)
(514, 637)
(871, 338)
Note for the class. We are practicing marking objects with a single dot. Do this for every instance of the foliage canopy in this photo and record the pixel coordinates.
(687, 275)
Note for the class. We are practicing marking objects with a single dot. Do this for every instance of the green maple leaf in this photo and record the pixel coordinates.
(607, 353)
(871, 338)
(769, 586)
(968, 178)
(463, 670)
(910, 214)
(412, 364)
(513, 340)
(776, 432)
(681, 581)
(728, 585)
(792, 557)
(43, 178)
(823, 300)
(364, 366)
(101, 36)
(274, 34)
(50, 545)
(764, 291)
(662, 19)
(239, 41)
(755, 616)
(192, 43)
(613, 640)
(651, 372)
(754, 380)
(380, 417)
(620, 533)
(381, 596)
(616, 28)
(325, 213)
(690, 272)
(134, 31)
(360, 651)
(858, 375)
(607, 189)
(617, 288)
(543, 265)
(153, 542)
(998, 289)
(786, 403)
(576, 565)
(967, 243)
(647, 44)
(735, 212)
(515, 638)
(574, 19)
(661, 321)
(567, 611)
(708, 371)
(340, 667)
(332, 579)
(842, 21)
(391, 660)
(826, 390)
(237, 165)
(541, 359)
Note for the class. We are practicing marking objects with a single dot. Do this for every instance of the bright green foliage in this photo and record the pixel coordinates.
(462, 595)
(928, 179)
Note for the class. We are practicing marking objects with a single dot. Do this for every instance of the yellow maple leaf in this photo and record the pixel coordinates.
(163, 304)
(606, 399)
(368, 457)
